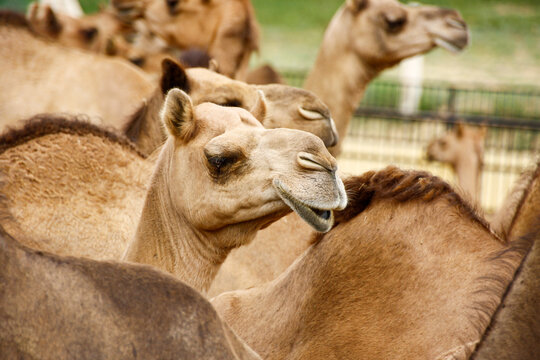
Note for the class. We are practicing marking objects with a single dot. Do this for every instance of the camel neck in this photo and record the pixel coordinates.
(468, 173)
(339, 77)
(165, 239)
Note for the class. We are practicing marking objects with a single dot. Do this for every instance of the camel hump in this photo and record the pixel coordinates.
(48, 124)
(400, 185)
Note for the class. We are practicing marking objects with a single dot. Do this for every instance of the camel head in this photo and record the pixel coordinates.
(98, 33)
(235, 174)
(286, 106)
(456, 145)
(384, 32)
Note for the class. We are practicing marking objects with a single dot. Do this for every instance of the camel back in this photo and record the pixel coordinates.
(49, 124)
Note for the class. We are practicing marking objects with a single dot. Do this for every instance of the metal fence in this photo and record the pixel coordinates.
(381, 134)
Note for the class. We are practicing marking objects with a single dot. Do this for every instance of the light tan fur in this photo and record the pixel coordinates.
(463, 149)
(56, 307)
(366, 37)
(220, 177)
(39, 77)
(410, 271)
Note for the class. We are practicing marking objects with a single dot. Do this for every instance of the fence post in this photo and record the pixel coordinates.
(451, 105)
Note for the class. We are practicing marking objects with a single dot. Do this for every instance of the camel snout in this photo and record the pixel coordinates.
(314, 162)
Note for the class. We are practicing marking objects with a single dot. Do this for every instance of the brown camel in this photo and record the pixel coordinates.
(514, 332)
(463, 149)
(74, 82)
(410, 271)
(54, 307)
(363, 38)
(366, 37)
(71, 188)
(226, 29)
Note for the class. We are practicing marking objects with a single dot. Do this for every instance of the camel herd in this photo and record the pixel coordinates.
(149, 209)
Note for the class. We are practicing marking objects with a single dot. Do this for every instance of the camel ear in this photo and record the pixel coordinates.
(173, 75)
(52, 25)
(260, 108)
(213, 65)
(177, 115)
(89, 33)
(356, 5)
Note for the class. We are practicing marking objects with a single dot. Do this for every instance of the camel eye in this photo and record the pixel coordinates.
(220, 163)
(394, 25)
(232, 103)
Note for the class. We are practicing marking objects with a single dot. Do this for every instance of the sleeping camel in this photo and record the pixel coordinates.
(410, 271)
(219, 178)
(55, 307)
(74, 82)
(363, 38)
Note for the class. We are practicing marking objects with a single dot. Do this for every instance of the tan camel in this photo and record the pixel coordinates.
(220, 177)
(362, 39)
(226, 29)
(463, 149)
(366, 37)
(410, 271)
(57, 307)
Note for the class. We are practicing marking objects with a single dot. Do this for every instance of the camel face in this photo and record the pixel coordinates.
(385, 32)
(95, 33)
(286, 106)
(458, 144)
(247, 175)
(227, 29)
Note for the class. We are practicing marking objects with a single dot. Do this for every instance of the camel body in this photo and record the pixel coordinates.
(55, 195)
(380, 285)
(55, 307)
(362, 39)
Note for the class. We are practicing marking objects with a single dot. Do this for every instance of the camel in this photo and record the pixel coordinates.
(463, 149)
(226, 29)
(514, 329)
(410, 270)
(55, 307)
(98, 84)
(71, 189)
(367, 37)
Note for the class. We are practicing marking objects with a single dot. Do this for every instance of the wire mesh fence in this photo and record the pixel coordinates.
(383, 132)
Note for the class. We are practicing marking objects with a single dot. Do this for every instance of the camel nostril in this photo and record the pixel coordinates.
(312, 162)
(456, 23)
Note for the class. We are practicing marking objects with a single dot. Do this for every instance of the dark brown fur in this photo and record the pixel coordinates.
(65, 307)
(14, 19)
(47, 124)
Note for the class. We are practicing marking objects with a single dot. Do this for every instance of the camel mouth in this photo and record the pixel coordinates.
(319, 218)
(454, 46)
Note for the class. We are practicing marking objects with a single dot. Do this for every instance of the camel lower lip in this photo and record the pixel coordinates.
(445, 44)
(319, 219)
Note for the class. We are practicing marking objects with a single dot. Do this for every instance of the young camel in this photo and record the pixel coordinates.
(367, 36)
(75, 82)
(409, 271)
(56, 307)
(514, 329)
(71, 188)
(463, 149)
